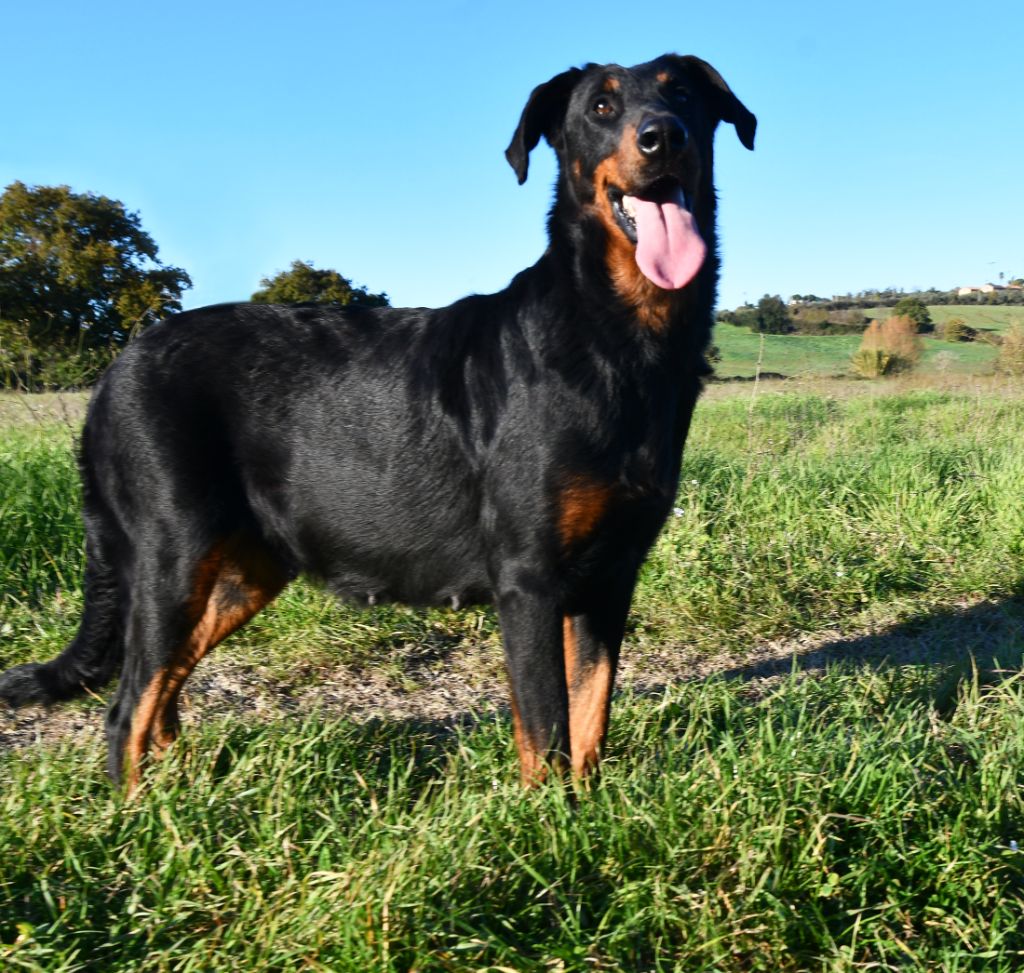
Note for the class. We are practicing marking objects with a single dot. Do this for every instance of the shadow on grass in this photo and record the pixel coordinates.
(984, 642)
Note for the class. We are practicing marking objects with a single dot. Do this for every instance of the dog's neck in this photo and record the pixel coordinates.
(603, 277)
(601, 265)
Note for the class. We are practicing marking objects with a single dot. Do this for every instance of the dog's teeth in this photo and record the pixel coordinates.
(627, 206)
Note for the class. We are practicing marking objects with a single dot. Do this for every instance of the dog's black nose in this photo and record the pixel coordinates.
(658, 134)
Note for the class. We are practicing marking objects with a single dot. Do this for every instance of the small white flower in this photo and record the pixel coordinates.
(678, 511)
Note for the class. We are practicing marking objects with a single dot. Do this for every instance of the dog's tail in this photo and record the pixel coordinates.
(91, 658)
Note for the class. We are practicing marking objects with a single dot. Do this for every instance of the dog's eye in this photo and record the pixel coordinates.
(679, 93)
(603, 107)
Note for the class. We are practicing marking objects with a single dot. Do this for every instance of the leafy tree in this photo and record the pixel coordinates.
(78, 269)
(915, 309)
(773, 316)
(303, 282)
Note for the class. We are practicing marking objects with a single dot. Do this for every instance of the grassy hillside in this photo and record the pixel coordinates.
(803, 356)
(790, 355)
(869, 817)
(799, 356)
(984, 317)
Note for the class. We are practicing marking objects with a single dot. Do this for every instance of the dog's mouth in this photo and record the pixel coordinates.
(658, 220)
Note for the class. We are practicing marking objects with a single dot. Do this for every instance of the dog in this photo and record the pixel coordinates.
(521, 448)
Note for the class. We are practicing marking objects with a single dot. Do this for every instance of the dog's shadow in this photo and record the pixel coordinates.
(982, 643)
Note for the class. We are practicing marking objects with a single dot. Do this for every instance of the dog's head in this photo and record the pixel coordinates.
(635, 149)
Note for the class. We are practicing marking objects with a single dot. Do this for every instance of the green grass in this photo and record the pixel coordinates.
(866, 818)
(790, 355)
(798, 514)
(835, 824)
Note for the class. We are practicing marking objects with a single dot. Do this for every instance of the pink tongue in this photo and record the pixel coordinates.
(669, 249)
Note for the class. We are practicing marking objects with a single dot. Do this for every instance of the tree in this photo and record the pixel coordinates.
(773, 316)
(303, 282)
(915, 309)
(77, 269)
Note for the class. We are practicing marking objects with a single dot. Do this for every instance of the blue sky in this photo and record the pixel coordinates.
(369, 137)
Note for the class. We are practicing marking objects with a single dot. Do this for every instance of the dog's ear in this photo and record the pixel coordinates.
(543, 115)
(727, 106)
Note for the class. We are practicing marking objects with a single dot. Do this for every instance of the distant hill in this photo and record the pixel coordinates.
(827, 354)
(888, 297)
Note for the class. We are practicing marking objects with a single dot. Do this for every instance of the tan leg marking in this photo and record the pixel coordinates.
(590, 689)
(533, 769)
(232, 584)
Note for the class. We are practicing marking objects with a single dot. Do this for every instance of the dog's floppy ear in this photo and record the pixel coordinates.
(543, 114)
(724, 102)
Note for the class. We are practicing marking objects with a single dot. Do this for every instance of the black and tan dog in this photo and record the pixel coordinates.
(521, 448)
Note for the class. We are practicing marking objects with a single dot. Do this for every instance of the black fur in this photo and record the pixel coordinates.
(522, 448)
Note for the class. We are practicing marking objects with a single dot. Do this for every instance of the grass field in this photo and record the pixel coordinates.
(868, 817)
(804, 356)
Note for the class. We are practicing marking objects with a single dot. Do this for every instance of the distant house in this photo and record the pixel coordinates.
(983, 289)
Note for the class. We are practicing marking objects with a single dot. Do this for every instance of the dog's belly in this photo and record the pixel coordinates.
(411, 589)
(387, 553)
(412, 579)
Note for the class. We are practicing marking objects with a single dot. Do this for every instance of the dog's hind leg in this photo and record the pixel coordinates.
(170, 629)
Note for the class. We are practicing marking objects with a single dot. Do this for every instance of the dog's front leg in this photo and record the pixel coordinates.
(592, 640)
(531, 625)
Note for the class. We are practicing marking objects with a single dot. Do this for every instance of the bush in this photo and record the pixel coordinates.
(809, 318)
(28, 365)
(887, 347)
(742, 317)
(870, 362)
(821, 321)
(16, 353)
(957, 329)
(1011, 352)
(848, 318)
